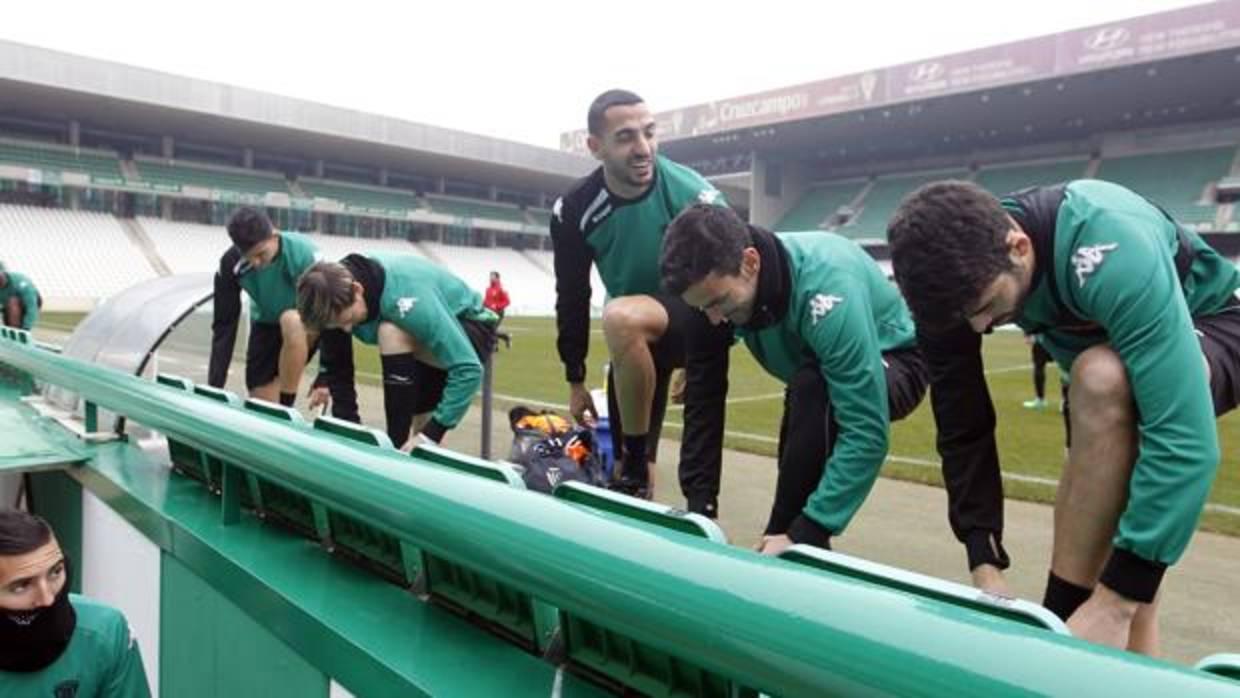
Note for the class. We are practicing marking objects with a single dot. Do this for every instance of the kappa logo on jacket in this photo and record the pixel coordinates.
(1088, 258)
(708, 196)
(821, 304)
(404, 305)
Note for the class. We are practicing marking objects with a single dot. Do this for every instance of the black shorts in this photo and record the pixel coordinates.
(1219, 336)
(429, 382)
(808, 429)
(262, 354)
(668, 354)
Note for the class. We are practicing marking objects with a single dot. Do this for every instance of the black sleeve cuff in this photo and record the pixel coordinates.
(434, 430)
(980, 551)
(1133, 577)
(806, 530)
(705, 504)
(575, 373)
(320, 381)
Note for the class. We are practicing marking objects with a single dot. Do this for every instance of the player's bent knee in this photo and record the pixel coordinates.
(290, 323)
(1098, 374)
(634, 316)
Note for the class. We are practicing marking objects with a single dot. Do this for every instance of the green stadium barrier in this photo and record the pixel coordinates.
(186, 459)
(643, 510)
(1225, 665)
(617, 658)
(387, 555)
(966, 597)
(278, 504)
(719, 612)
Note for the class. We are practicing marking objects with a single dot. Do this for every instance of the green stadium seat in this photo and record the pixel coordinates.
(101, 166)
(362, 199)
(491, 470)
(1224, 665)
(213, 468)
(172, 175)
(464, 208)
(362, 543)
(818, 204)
(1175, 180)
(1006, 178)
(275, 503)
(186, 459)
(1017, 610)
(595, 649)
(884, 197)
(631, 508)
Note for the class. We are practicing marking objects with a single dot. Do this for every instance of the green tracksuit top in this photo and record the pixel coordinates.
(101, 661)
(273, 289)
(844, 314)
(622, 237)
(21, 286)
(429, 303)
(1113, 266)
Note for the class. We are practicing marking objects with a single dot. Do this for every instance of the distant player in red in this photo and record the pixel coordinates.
(496, 298)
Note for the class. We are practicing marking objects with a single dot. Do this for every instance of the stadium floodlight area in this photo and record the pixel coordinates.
(530, 288)
(71, 256)
(1180, 182)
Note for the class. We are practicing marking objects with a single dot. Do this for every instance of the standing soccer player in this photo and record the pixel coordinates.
(614, 218)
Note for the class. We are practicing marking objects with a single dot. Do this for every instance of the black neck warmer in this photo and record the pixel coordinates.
(32, 640)
(774, 280)
(371, 276)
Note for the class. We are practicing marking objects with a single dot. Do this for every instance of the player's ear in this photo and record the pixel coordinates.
(595, 144)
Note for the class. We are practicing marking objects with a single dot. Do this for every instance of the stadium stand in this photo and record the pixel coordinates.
(71, 254)
(818, 204)
(883, 198)
(334, 247)
(1179, 181)
(465, 208)
(545, 260)
(102, 166)
(531, 289)
(173, 174)
(362, 197)
(1004, 178)
(540, 217)
(186, 247)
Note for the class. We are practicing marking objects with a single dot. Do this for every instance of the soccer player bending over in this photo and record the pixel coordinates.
(1143, 316)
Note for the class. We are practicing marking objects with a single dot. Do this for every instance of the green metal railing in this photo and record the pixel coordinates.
(782, 628)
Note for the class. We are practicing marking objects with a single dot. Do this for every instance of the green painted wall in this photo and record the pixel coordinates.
(58, 498)
(212, 649)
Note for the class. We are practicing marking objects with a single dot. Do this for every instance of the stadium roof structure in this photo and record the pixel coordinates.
(1164, 69)
(126, 99)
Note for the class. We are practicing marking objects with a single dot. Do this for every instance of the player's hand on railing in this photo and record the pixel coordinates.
(319, 397)
(990, 578)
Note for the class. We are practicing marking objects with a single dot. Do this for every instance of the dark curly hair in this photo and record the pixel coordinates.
(948, 243)
(702, 239)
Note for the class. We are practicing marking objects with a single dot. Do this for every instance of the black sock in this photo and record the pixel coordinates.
(287, 399)
(1063, 597)
(398, 395)
(635, 466)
